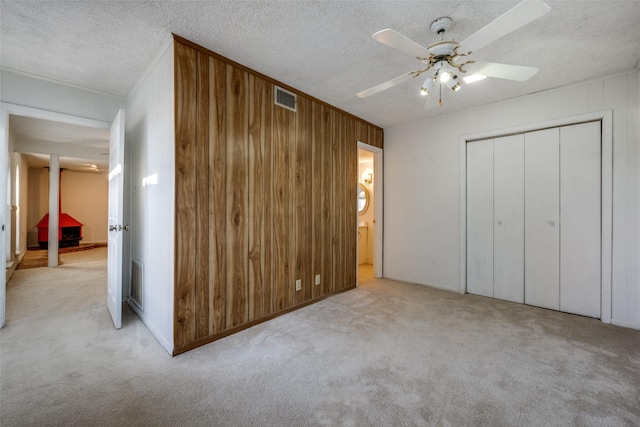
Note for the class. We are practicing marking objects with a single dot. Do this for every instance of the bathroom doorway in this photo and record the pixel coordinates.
(369, 213)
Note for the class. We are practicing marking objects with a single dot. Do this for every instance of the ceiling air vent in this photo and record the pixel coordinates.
(285, 99)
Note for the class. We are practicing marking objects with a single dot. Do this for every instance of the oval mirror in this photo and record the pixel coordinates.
(363, 199)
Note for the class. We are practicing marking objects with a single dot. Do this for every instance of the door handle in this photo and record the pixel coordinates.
(113, 228)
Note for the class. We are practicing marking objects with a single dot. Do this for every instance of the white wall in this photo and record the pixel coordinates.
(22, 203)
(48, 95)
(150, 153)
(84, 197)
(29, 91)
(422, 184)
(38, 202)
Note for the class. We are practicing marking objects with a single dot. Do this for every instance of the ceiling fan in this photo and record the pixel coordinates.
(446, 58)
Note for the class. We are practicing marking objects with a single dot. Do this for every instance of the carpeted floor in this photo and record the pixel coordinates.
(385, 354)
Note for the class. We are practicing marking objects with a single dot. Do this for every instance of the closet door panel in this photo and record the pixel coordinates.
(480, 218)
(508, 225)
(580, 207)
(542, 236)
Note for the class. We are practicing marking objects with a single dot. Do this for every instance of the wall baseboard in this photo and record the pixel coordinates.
(624, 323)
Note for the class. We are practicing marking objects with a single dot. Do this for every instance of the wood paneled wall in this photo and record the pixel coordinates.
(264, 196)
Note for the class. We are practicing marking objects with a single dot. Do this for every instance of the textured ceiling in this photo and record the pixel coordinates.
(323, 48)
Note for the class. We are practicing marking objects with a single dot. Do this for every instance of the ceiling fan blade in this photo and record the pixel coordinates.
(386, 85)
(519, 16)
(432, 101)
(502, 71)
(404, 44)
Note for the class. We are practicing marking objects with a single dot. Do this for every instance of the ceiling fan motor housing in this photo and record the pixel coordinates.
(440, 25)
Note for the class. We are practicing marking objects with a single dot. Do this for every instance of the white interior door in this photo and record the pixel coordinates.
(4, 163)
(508, 225)
(116, 187)
(580, 205)
(480, 218)
(542, 216)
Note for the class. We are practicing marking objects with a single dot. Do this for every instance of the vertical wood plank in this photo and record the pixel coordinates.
(317, 191)
(371, 135)
(351, 229)
(338, 146)
(237, 196)
(327, 200)
(258, 98)
(185, 104)
(309, 282)
(360, 128)
(202, 197)
(290, 217)
(380, 138)
(302, 201)
(268, 307)
(217, 195)
(282, 231)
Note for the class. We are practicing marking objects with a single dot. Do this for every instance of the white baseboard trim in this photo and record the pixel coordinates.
(624, 323)
(164, 343)
(431, 285)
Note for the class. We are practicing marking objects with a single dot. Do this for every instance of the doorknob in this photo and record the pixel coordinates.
(113, 228)
(552, 223)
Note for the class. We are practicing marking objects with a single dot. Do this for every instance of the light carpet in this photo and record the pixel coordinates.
(385, 354)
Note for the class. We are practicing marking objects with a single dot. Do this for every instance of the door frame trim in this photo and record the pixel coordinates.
(378, 173)
(7, 109)
(606, 119)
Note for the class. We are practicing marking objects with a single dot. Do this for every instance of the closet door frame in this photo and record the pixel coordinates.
(606, 119)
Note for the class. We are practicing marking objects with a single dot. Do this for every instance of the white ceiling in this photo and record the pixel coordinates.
(84, 149)
(323, 48)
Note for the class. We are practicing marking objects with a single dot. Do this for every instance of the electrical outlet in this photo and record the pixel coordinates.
(317, 279)
(298, 285)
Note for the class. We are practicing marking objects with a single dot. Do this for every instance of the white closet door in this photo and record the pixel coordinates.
(580, 207)
(542, 205)
(508, 226)
(480, 218)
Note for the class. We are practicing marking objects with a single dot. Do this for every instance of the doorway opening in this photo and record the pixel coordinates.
(369, 237)
(33, 138)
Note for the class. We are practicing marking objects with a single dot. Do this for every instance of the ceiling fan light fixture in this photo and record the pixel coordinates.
(474, 78)
(441, 57)
(427, 86)
(454, 83)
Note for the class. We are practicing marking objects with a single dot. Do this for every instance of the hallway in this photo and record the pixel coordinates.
(365, 273)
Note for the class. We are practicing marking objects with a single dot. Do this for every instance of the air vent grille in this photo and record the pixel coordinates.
(136, 283)
(285, 99)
